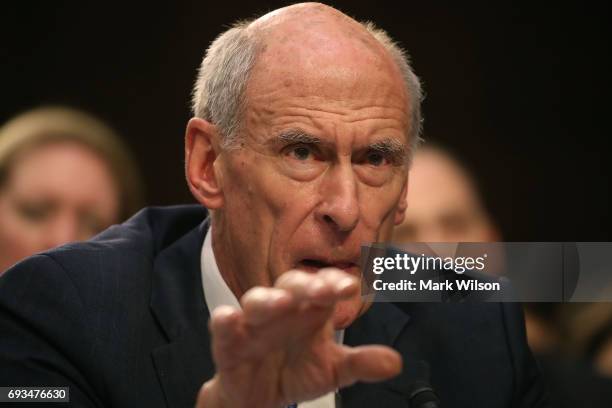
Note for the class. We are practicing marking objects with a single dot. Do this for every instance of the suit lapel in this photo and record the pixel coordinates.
(177, 301)
(381, 324)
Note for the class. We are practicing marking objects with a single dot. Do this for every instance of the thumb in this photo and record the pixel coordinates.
(368, 363)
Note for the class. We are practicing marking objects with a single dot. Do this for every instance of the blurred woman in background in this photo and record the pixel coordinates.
(64, 176)
(444, 205)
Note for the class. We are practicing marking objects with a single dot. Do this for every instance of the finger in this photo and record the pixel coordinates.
(261, 305)
(345, 285)
(368, 363)
(305, 286)
(273, 317)
(227, 334)
(224, 323)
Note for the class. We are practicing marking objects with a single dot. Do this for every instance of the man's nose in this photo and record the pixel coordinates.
(340, 205)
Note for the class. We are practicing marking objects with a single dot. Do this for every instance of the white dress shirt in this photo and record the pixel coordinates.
(217, 293)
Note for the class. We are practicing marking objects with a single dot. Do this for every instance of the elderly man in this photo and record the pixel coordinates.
(304, 124)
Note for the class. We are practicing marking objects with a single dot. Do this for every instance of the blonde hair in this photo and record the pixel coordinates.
(53, 124)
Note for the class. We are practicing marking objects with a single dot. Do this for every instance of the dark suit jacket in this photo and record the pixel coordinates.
(122, 321)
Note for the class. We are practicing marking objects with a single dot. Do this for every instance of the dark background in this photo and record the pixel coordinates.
(518, 90)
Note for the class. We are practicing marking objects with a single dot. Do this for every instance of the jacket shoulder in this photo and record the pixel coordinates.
(113, 268)
(147, 232)
(140, 238)
(69, 311)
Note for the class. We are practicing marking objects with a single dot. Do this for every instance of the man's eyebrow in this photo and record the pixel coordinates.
(390, 146)
(290, 136)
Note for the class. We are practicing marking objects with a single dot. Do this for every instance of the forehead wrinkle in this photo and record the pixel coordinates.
(365, 112)
(288, 113)
(287, 127)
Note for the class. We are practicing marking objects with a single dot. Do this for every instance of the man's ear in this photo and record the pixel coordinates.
(402, 205)
(201, 152)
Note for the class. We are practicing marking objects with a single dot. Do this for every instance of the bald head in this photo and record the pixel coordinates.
(306, 41)
(313, 33)
(305, 12)
(316, 27)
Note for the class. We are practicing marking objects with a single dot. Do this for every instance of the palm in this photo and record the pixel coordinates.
(280, 348)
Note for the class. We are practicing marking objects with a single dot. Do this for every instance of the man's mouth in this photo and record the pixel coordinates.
(313, 265)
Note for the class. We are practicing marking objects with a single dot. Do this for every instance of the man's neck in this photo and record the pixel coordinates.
(221, 247)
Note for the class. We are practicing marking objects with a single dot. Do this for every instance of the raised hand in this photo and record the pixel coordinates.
(280, 347)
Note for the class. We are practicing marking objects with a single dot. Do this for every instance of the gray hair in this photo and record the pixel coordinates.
(219, 92)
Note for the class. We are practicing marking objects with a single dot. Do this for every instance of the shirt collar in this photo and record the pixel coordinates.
(216, 291)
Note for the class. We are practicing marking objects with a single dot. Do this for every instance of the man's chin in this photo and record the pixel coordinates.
(347, 311)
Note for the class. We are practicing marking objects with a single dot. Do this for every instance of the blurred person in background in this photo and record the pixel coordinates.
(590, 328)
(64, 176)
(444, 205)
(443, 202)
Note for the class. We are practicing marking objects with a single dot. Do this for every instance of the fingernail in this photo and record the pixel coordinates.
(344, 284)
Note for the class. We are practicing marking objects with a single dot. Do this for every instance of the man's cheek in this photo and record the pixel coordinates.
(377, 217)
(386, 231)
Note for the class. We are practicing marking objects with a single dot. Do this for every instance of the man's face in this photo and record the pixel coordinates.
(322, 167)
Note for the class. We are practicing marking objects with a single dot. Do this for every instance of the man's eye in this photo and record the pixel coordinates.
(376, 158)
(301, 153)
